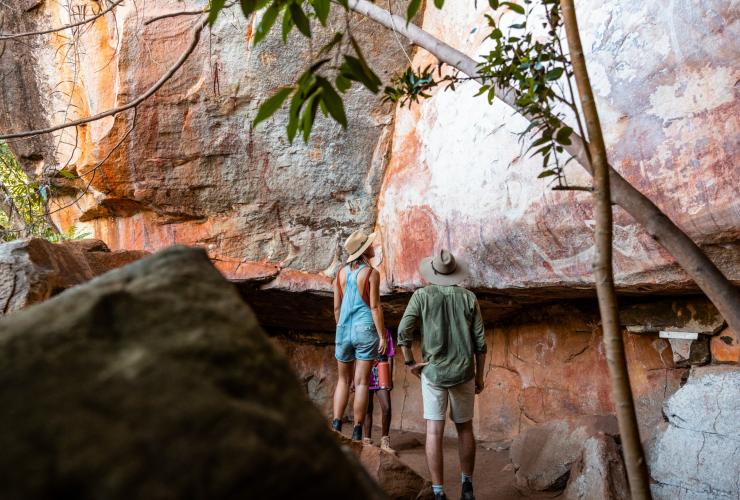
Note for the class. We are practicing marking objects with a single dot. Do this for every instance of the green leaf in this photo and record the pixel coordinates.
(334, 41)
(332, 101)
(563, 136)
(412, 9)
(515, 7)
(267, 21)
(300, 19)
(287, 25)
(343, 84)
(268, 108)
(321, 7)
(538, 142)
(546, 173)
(543, 150)
(493, 4)
(317, 65)
(354, 69)
(67, 174)
(249, 7)
(293, 114)
(214, 9)
(439, 3)
(554, 74)
(482, 90)
(309, 115)
(491, 94)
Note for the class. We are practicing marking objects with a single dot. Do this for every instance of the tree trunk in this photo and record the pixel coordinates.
(687, 254)
(627, 419)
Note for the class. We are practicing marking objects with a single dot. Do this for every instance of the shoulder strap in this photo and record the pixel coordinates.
(365, 294)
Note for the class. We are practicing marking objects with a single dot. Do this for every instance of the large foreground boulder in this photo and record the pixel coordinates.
(32, 270)
(696, 456)
(156, 382)
(544, 454)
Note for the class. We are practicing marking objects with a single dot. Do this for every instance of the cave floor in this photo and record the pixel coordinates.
(492, 478)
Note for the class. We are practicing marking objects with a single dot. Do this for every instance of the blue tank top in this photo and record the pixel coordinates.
(354, 310)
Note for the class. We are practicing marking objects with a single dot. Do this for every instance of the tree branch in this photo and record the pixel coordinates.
(13, 36)
(168, 15)
(195, 38)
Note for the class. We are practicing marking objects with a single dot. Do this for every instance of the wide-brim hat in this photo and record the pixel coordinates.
(443, 269)
(357, 243)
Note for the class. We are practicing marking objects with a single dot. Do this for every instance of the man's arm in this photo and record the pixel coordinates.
(480, 348)
(405, 334)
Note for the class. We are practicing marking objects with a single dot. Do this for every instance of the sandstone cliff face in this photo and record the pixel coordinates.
(192, 171)
(664, 77)
(541, 368)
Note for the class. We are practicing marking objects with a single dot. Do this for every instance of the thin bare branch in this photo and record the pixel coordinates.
(94, 170)
(195, 38)
(13, 36)
(168, 15)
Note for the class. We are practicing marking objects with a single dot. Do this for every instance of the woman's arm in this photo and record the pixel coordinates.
(337, 295)
(376, 309)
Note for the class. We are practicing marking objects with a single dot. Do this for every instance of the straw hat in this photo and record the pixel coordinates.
(357, 243)
(443, 269)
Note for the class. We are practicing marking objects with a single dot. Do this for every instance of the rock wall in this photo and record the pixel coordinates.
(539, 369)
(190, 169)
(665, 78)
(447, 172)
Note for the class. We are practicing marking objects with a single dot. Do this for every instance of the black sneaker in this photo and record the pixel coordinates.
(467, 491)
(357, 433)
(336, 425)
(440, 496)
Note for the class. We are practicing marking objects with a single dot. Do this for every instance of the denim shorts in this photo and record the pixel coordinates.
(356, 342)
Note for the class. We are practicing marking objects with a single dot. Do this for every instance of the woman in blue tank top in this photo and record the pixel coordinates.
(360, 336)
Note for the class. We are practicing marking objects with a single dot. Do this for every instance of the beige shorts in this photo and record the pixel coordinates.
(461, 396)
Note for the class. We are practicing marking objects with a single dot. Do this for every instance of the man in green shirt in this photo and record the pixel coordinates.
(453, 348)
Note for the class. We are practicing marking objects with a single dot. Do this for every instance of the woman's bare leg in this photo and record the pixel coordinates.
(362, 381)
(341, 392)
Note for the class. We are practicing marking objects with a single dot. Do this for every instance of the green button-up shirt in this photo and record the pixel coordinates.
(451, 332)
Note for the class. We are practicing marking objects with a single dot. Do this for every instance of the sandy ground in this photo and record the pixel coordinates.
(492, 479)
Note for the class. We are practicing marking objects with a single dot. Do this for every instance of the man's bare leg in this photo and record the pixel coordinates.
(435, 456)
(466, 447)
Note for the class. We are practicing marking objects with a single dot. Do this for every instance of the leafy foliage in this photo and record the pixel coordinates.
(410, 86)
(533, 67)
(315, 91)
(22, 202)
